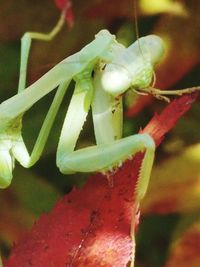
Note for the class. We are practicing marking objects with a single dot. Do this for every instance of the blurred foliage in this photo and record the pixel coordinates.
(174, 190)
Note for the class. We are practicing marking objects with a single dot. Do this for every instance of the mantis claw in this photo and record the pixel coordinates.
(161, 97)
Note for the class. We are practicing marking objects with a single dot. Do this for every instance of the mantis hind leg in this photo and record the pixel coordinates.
(26, 44)
(19, 150)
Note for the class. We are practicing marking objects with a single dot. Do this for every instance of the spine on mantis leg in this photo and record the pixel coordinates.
(145, 170)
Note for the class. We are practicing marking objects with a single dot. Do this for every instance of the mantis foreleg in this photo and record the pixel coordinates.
(76, 114)
(107, 113)
(106, 156)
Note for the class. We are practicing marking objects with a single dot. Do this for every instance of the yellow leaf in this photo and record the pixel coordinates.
(162, 6)
(184, 251)
(175, 184)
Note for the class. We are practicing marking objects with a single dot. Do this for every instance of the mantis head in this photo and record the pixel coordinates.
(134, 67)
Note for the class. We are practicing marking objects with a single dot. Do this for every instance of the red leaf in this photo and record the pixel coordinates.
(91, 226)
(112, 9)
(163, 123)
(66, 4)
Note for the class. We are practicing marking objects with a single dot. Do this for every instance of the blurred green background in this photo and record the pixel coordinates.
(171, 208)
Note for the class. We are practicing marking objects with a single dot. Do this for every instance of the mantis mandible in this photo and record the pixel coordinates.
(103, 71)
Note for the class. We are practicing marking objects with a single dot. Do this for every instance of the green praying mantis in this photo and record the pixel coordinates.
(103, 71)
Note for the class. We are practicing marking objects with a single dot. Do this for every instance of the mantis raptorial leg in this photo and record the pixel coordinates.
(107, 113)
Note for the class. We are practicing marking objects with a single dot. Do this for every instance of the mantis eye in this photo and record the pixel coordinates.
(155, 46)
(6, 167)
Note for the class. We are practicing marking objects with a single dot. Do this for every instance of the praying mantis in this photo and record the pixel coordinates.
(106, 58)
(103, 71)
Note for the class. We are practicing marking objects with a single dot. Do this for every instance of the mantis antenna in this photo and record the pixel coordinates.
(136, 25)
(135, 19)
